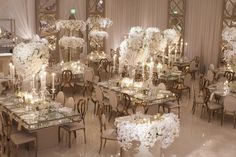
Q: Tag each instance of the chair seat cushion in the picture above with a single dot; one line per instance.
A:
(22, 138)
(170, 105)
(110, 134)
(73, 126)
(214, 106)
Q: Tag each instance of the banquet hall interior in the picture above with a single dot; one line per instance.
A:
(117, 78)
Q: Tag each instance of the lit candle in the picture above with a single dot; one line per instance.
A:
(41, 81)
(53, 82)
(181, 47)
(10, 69)
(33, 87)
(143, 70)
(13, 75)
(114, 62)
(175, 54)
(169, 57)
(186, 48)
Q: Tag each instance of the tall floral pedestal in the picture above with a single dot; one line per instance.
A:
(143, 151)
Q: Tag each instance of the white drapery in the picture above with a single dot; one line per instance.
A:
(23, 11)
(128, 13)
(203, 30)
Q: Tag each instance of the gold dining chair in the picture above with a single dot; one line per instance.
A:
(211, 106)
(105, 133)
(229, 108)
(77, 124)
(17, 138)
(104, 69)
(67, 80)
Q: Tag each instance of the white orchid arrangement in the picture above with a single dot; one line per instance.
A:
(139, 127)
(72, 25)
(141, 44)
(229, 36)
(71, 42)
(28, 58)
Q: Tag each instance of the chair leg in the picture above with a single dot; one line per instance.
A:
(69, 139)
(59, 134)
(179, 112)
(36, 148)
(222, 118)
(202, 111)
(100, 146)
(105, 143)
(84, 136)
(74, 133)
(234, 120)
(121, 151)
(209, 114)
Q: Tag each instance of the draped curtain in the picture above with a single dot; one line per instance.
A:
(129, 13)
(23, 11)
(203, 30)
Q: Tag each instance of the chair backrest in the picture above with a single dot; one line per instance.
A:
(161, 86)
(98, 93)
(210, 75)
(192, 65)
(82, 107)
(6, 124)
(113, 99)
(60, 97)
(229, 103)
(66, 76)
(88, 75)
(104, 64)
(70, 103)
(229, 75)
(212, 67)
(187, 80)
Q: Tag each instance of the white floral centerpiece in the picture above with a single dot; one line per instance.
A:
(229, 36)
(28, 58)
(71, 25)
(97, 37)
(97, 22)
(142, 44)
(97, 33)
(131, 49)
(71, 42)
(147, 130)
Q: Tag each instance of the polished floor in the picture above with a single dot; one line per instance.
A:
(198, 138)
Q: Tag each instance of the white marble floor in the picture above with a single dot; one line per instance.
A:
(198, 138)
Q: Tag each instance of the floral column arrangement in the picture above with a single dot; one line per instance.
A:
(96, 32)
(70, 42)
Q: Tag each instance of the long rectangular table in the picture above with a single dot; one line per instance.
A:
(32, 120)
(144, 95)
